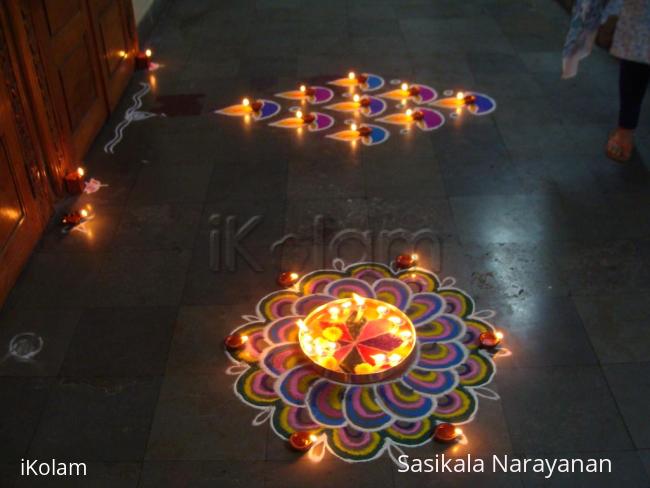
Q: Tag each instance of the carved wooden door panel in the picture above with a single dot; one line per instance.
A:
(21, 220)
(115, 39)
(65, 38)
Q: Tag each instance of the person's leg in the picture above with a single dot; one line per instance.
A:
(633, 82)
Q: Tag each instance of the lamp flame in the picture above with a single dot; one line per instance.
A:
(148, 53)
(245, 102)
(460, 95)
(352, 75)
(299, 114)
(405, 86)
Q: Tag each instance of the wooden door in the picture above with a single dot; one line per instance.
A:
(21, 216)
(64, 32)
(116, 40)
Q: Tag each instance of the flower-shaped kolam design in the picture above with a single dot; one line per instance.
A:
(359, 422)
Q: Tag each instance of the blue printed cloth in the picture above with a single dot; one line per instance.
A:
(631, 38)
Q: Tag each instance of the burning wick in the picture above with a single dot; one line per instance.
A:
(378, 359)
(245, 102)
(489, 340)
(302, 441)
(303, 88)
(235, 341)
(447, 433)
(288, 279)
(409, 113)
(148, 53)
(405, 87)
(360, 301)
(460, 96)
(356, 98)
(334, 312)
(353, 127)
(352, 75)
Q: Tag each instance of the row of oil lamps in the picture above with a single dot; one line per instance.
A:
(445, 433)
(74, 181)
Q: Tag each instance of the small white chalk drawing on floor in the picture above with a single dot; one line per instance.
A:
(132, 114)
(25, 346)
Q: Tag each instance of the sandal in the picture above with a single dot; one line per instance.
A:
(620, 145)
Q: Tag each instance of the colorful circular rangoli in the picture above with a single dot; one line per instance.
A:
(365, 357)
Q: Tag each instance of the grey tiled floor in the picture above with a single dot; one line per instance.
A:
(533, 220)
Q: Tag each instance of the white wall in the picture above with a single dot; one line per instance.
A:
(140, 8)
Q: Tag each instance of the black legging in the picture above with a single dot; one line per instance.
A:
(632, 84)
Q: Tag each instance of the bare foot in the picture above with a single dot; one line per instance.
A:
(620, 145)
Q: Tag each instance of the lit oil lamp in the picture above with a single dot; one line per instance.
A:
(490, 340)
(143, 59)
(409, 90)
(361, 79)
(306, 118)
(406, 261)
(361, 102)
(447, 433)
(414, 114)
(254, 106)
(75, 218)
(302, 441)
(362, 131)
(235, 341)
(287, 279)
(307, 90)
(465, 99)
(74, 181)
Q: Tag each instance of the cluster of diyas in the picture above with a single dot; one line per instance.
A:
(364, 359)
(358, 340)
(358, 102)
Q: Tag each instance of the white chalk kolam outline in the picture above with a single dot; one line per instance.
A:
(393, 447)
(130, 115)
